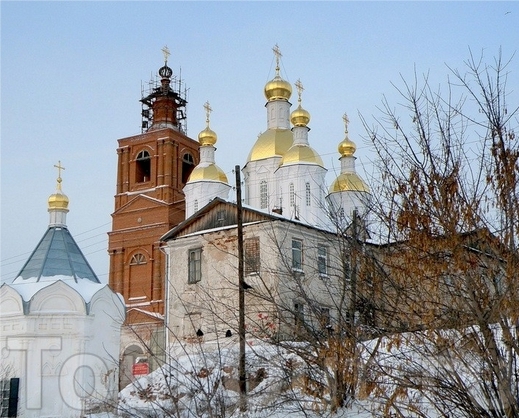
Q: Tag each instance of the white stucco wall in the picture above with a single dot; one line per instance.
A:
(212, 304)
(64, 351)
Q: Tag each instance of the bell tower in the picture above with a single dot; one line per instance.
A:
(152, 169)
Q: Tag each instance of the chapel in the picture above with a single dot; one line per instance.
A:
(60, 328)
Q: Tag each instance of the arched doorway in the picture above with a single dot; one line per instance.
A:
(129, 357)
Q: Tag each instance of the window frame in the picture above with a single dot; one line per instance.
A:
(308, 194)
(297, 262)
(263, 194)
(194, 265)
(322, 260)
(252, 256)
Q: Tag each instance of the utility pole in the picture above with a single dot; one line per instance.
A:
(241, 296)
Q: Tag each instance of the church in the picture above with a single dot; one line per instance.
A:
(293, 255)
(60, 329)
(173, 203)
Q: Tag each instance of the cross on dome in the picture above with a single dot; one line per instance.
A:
(166, 53)
(277, 53)
(300, 89)
(59, 167)
(346, 121)
(208, 110)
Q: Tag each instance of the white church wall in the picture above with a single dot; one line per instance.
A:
(55, 347)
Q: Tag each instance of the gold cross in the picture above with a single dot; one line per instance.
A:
(208, 111)
(59, 167)
(166, 53)
(300, 89)
(346, 121)
(277, 53)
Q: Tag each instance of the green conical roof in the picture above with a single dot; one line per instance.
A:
(57, 254)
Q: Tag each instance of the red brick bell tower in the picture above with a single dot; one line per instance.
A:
(152, 169)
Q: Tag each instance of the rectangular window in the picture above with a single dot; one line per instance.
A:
(308, 195)
(297, 254)
(251, 249)
(322, 259)
(195, 266)
(263, 194)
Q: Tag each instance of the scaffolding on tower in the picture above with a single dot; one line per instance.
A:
(176, 90)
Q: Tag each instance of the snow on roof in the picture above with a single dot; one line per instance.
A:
(29, 287)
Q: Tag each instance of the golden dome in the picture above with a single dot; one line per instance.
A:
(300, 117)
(302, 154)
(58, 200)
(207, 137)
(278, 89)
(209, 172)
(271, 143)
(348, 182)
(347, 147)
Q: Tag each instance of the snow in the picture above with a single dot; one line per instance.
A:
(29, 287)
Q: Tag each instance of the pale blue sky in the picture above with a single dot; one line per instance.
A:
(71, 84)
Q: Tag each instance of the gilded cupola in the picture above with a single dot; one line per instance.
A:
(207, 169)
(277, 88)
(348, 180)
(300, 116)
(300, 151)
(207, 136)
(58, 200)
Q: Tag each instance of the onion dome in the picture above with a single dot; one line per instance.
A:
(300, 116)
(58, 200)
(207, 170)
(347, 147)
(348, 180)
(207, 137)
(277, 88)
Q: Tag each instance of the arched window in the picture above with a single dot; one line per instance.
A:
(138, 259)
(263, 194)
(143, 167)
(195, 206)
(188, 163)
(292, 195)
(308, 195)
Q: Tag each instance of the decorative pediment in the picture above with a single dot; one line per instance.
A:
(140, 202)
(11, 302)
(58, 297)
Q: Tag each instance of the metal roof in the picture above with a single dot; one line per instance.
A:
(57, 254)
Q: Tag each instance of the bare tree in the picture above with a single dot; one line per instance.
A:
(448, 203)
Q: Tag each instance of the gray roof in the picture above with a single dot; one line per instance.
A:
(57, 254)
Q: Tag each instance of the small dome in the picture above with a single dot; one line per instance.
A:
(278, 89)
(58, 200)
(207, 137)
(348, 182)
(302, 154)
(347, 147)
(271, 143)
(300, 117)
(210, 172)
